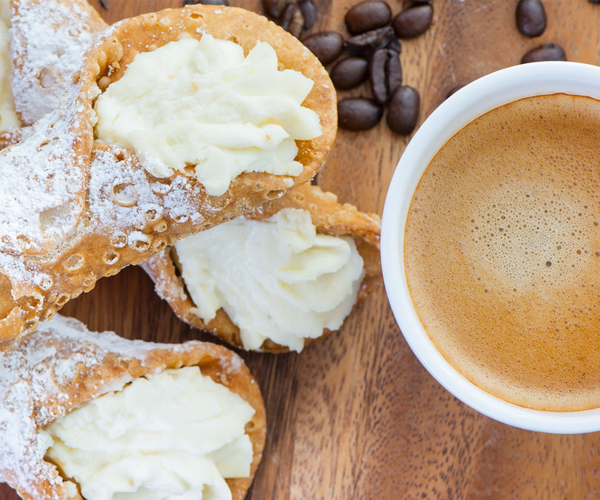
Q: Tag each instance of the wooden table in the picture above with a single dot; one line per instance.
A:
(356, 416)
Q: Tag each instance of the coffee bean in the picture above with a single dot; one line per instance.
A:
(349, 72)
(394, 71)
(385, 74)
(358, 113)
(206, 2)
(297, 24)
(309, 11)
(395, 45)
(292, 19)
(454, 89)
(531, 18)
(367, 16)
(287, 15)
(326, 45)
(274, 8)
(377, 76)
(403, 110)
(548, 52)
(413, 21)
(370, 41)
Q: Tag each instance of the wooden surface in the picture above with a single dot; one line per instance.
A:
(356, 416)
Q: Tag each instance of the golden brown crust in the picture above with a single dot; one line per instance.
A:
(126, 39)
(329, 217)
(114, 213)
(65, 366)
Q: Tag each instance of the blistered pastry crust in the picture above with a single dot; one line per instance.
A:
(49, 40)
(63, 365)
(122, 42)
(329, 217)
(91, 209)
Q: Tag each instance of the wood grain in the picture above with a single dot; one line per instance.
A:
(356, 416)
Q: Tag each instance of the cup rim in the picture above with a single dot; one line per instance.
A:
(468, 103)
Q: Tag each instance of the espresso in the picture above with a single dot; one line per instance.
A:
(502, 252)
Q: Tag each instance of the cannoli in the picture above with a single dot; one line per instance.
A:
(47, 42)
(78, 208)
(285, 274)
(10, 124)
(95, 416)
(8, 116)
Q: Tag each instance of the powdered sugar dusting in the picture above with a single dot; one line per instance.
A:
(42, 186)
(38, 175)
(74, 210)
(35, 374)
(42, 179)
(49, 40)
(233, 363)
(60, 367)
(125, 196)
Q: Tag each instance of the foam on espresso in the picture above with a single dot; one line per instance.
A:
(502, 252)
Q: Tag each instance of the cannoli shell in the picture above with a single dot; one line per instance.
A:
(63, 365)
(91, 209)
(48, 41)
(126, 39)
(329, 217)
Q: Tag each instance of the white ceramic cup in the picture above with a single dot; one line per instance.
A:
(470, 102)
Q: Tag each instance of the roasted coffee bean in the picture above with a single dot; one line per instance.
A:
(367, 16)
(531, 18)
(377, 76)
(454, 90)
(309, 11)
(413, 21)
(292, 19)
(358, 113)
(349, 72)
(395, 45)
(297, 24)
(274, 8)
(547, 52)
(326, 45)
(403, 110)
(286, 16)
(370, 41)
(394, 71)
(385, 74)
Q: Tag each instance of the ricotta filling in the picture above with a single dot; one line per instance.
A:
(202, 104)
(276, 279)
(172, 435)
(8, 116)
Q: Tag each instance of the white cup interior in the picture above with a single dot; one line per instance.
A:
(470, 102)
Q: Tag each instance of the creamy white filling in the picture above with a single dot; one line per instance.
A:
(8, 116)
(173, 435)
(202, 103)
(276, 278)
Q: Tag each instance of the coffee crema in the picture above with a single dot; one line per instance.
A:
(502, 252)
